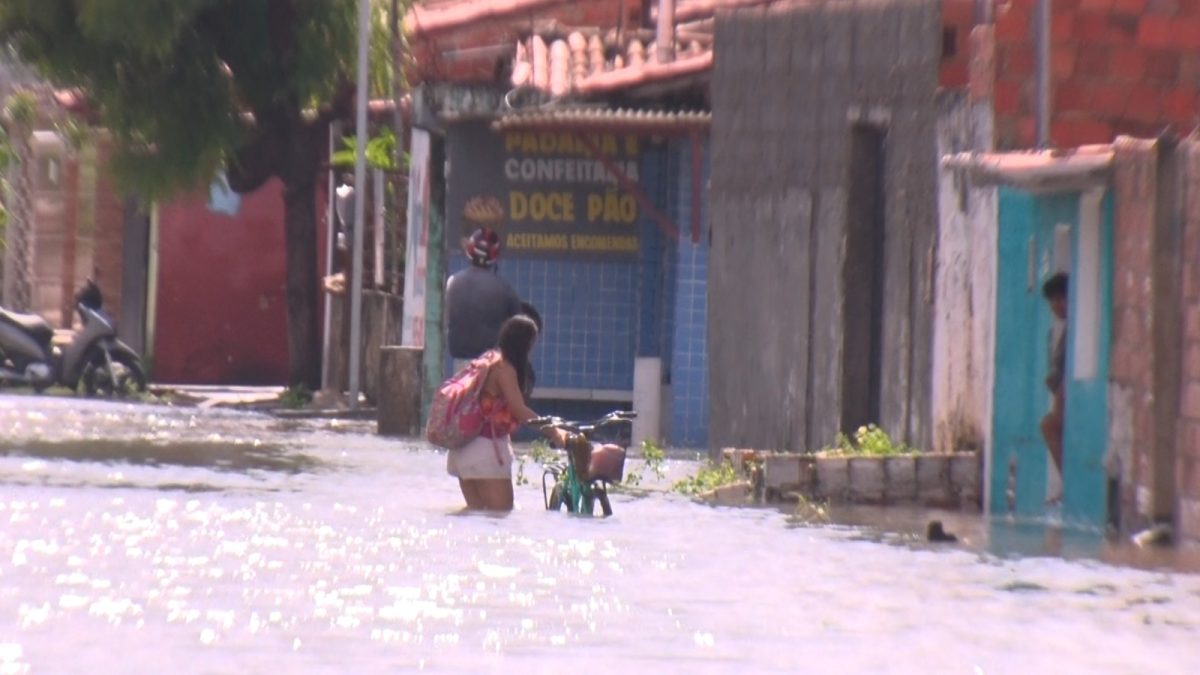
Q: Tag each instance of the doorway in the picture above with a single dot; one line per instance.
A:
(1042, 235)
(863, 276)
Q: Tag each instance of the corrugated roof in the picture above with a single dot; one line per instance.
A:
(604, 119)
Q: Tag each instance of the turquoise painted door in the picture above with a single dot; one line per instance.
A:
(1026, 257)
(1085, 438)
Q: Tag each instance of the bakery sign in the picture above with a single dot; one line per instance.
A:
(546, 193)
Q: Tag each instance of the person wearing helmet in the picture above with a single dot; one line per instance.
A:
(478, 300)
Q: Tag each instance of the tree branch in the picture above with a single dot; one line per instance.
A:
(341, 104)
(254, 163)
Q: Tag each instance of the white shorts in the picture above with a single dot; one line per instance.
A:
(482, 458)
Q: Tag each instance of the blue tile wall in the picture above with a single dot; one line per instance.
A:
(689, 348)
(599, 316)
(652, 328)
(590, 314)
(668, 265)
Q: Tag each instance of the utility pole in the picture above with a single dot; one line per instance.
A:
(360, 170)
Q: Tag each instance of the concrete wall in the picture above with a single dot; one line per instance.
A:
(382, 314)
(964, 316)
(1187, 468)
(778, 201)
(1154, 388)
(1136, 311)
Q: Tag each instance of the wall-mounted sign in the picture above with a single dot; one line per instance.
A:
(559, 198)
(221, 198)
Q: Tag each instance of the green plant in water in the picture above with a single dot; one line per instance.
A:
(709, 477)
(540, 452)
(295, 397)
(810, 511)
(869, 440)
(654, 459)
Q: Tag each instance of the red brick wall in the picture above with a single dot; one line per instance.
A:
(958, 18)
(1117, 67)
(108, 254)
(1188, 441)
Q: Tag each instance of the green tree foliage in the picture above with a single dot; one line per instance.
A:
(190, 87)
(381, 152)
(6, 155)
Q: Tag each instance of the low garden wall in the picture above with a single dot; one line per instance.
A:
(952, 480)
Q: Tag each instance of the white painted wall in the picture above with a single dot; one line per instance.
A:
(965, 283)
(647, 400)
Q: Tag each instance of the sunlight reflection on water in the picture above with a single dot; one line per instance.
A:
(308, 548)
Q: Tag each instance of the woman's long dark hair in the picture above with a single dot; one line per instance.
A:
(515, 342)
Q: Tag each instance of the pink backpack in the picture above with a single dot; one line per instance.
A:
(455, 417)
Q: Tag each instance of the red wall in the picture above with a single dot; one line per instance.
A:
(1117, 66)
(221, 307)
(958, 18)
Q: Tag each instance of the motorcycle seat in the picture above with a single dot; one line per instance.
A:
(32, 324)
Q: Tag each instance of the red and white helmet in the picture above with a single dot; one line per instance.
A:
(483, 248)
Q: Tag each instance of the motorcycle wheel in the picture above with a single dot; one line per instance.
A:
(97, 381)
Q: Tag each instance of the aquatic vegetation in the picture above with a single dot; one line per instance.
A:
(540, 452)
(869, 440)
(654, 459)
(710, 477)
(295, 397)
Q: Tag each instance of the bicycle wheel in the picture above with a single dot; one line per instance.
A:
(555, 502)
(601, 496)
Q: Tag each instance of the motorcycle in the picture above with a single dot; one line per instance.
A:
(93, 356)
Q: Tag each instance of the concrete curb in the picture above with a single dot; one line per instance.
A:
(265, 400)
(951, 480)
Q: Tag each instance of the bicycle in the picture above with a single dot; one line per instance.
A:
(581, 481)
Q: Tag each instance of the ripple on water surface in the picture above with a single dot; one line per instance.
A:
(314, 548)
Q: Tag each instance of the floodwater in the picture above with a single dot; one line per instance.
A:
(150, 539)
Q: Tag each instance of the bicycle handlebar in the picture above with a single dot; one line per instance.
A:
(614, 417)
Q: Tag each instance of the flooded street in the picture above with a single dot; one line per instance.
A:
(154, 539)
